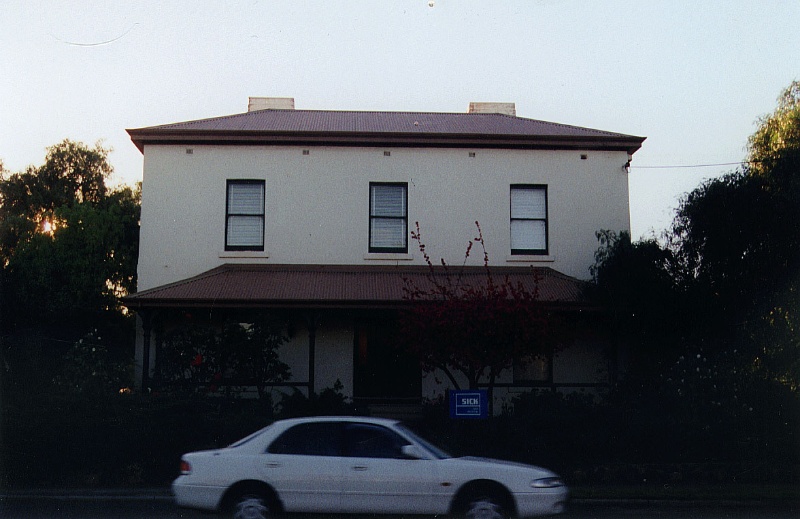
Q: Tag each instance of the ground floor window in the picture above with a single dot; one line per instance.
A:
(536, 369)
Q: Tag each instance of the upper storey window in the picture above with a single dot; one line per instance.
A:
(529, 219)
(388, 217)
(244, 215)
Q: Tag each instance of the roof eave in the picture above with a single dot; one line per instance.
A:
(146, 136)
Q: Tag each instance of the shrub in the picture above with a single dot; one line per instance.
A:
(329, 402)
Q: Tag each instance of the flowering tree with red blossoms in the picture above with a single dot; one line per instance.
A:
(477, 326)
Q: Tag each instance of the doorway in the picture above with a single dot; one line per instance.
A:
(382, 371)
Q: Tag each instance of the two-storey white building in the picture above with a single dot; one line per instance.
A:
(309, 212)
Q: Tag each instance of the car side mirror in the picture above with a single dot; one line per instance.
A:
(413, 452)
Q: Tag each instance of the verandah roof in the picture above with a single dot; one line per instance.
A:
(340, 286)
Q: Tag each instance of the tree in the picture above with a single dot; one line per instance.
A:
(89, 370)
(711, 312)
(475, 328)
(774, 156)
(68, 249)
(635, 283)
(774, 148)
(71, 174)
(68, 243)
(738, 243)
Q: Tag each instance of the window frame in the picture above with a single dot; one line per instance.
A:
(546, 220)
(404, 218)
(228, 214)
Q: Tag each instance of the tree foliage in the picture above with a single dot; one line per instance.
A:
(68, 249)
(727, 275)
(774, 148)
(91, 370)
(636, 283)
(68, 242)
(739, 243)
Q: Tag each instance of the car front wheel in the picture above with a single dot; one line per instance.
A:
(251, 506)
(485, 507)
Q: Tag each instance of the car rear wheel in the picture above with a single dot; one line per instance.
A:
(251, 506)
(485, 507)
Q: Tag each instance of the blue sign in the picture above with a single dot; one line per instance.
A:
(472, 403)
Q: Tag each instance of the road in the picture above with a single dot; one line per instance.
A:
(50, 507)
(678, 510)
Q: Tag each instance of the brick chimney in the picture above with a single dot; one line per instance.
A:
(270, 103)
(493, 108)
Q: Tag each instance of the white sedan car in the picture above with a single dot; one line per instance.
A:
(358, 465)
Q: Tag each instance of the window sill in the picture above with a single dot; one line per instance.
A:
(388, 256)
(243, 254)
(529, 258)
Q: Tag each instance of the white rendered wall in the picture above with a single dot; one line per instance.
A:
(333, 358)
(317, 205)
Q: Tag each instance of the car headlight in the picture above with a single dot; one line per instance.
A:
(552, 482)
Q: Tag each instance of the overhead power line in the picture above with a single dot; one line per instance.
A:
(693, 165)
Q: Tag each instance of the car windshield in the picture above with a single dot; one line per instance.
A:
(436, 451)
(248, 438)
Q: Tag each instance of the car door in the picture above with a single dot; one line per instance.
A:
(378, 478)
(304, 466)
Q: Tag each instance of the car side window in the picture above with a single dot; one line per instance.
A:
(373, 441)
(309, 439)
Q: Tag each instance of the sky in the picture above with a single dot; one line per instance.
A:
(692, 76)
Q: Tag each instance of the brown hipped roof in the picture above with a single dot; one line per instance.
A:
(419, 129)
(338, 286)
